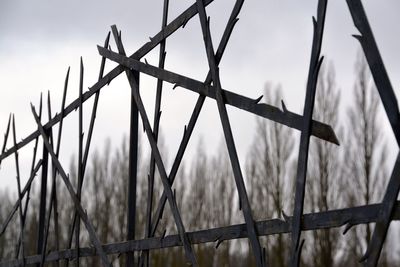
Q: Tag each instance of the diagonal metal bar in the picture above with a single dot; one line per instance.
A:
(21, 216)
(60, 128)
(43, 196)
(174, 25)
(133, 153)
(156, 124)
(375, 62)
(315, 64)
(255, 243)
(385, 214)
(389, 100)
(23, 192)
(33, 172)
(312, 221)
(293, 120)
(160, 165)
(195, 114)
(88, 140)
(80, 147)
(3, 149)
(92, 234)
(53, 194)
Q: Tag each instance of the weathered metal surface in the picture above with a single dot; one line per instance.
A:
(195, 114)
(88, 138)
(382, 213)
(174, 25)
(144, 259)
(230, 143)
(160, 165)
(389, 100)
(320, 130)
(315, 64)
(92, 234)
(375, 62)
(21, 216)
(313, 221)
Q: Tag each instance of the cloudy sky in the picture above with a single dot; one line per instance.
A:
(270, 43)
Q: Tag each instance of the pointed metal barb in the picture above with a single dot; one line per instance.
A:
(219, 242)
(184, 23)
(348, 226)
(285, 217)
(145, 60)
(163, 233)
(258, 99)
(284, 109)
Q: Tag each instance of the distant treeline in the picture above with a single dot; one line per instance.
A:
(354, 173)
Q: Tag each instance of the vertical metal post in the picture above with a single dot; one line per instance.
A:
(133, 153)
(42, 204)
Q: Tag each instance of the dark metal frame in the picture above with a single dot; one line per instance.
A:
(381, 214)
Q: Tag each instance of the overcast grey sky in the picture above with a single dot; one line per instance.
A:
(271, 42)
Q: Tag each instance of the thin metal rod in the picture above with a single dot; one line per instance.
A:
(315, 64)
(21, 216)
(60, 128)
(160, 165)
(53, 194)
(133, 156)
(293, 120)
(156, 125)
(42, 204)
(92, 233)
(195, 114)
(6, 136)
(33, 172)
(174, 25)
(17, 204)
(312, 221)
(88, 140)
(255, 244)
(80, 147)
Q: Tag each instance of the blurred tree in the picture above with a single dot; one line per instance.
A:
(268, 169)
(365, 156)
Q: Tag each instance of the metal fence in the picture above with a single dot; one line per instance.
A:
(380, 214)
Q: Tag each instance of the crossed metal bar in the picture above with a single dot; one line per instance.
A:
(382, 213)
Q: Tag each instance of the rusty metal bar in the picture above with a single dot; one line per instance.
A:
(312, 221)
(315, 64)
(92, 234)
